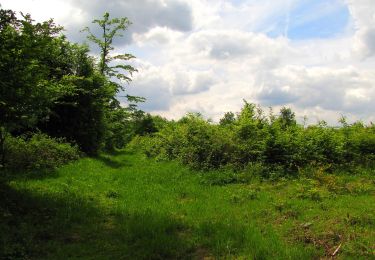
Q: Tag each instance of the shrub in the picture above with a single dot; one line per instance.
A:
(283, 146)
(38, 152)
(360, 143)
(204, 145)
(322, 144)
(255, 145)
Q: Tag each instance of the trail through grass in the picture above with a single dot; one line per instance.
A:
(125, 206)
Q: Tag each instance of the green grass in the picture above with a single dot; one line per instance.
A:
(125, 206)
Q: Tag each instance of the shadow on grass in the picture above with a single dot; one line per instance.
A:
(7, 175)
(113, 160)
(35, 226)
(120, 152)
(63, 224)
(66, 226)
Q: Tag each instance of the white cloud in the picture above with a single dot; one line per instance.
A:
(230, 44)
(191, 82)
(208, 55)
(157, 36)
(347, 90)
(75, 15)
(363, 13)
(151, 83)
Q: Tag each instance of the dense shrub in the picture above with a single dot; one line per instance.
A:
(192, 140)
(203, 146)
(359, 143)
(277, 144)
(323, 144)
(38, 152)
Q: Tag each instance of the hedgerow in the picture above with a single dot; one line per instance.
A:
(277, 143)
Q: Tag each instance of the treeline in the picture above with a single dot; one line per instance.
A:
(265, 144)
(55, 95)
(57, 102)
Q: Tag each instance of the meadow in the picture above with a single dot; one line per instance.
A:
(86, 174)
(127, 206)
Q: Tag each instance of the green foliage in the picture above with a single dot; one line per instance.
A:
(144, 124)
(228, 119)
(249, 136)
(47, 82)
(118, 128)
(119, 122)
(221, 178)
(274, 145)
(51, 85)
(29, 84)
(287, 118)
(202, 146)
(79, 115)
(125, 124)
(38, 152)
(32, 64)
(111, 28)
(194, 142)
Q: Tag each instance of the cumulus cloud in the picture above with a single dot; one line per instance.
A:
(144, 14)
(275, 96)
(348, 90)
(191, 82)
(157, 36)
(161, 86)
(209, 55)
(363, 13)
(153, 85)
(225, 44)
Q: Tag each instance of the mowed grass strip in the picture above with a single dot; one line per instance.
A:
(125, 206)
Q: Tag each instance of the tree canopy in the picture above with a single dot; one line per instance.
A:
(51, 85)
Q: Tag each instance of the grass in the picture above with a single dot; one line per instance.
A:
(125, 206)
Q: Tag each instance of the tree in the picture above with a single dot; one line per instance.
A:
(116, 74)
(144, 124)
(79, 115)
(228, 119)
(50, 84)
(112, 28)
(28, 84)
(287, 118)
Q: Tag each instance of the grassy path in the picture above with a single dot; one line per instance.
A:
(125, 206)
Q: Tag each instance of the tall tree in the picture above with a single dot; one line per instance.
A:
(112, 28)
(118, 71)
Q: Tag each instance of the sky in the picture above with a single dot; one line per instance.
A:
(314, 56)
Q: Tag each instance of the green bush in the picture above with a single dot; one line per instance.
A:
(257, 145)
(360, 143)
(204, 146)
(38, 152)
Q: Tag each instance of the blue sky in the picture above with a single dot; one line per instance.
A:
(315, 56)
(313, 19)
